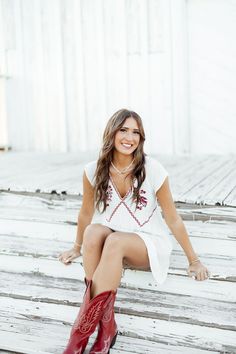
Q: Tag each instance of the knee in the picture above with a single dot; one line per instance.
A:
(93, 237)
(113, 246)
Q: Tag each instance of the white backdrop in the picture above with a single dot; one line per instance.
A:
(66, 66)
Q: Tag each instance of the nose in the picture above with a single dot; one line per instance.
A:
(129, 136)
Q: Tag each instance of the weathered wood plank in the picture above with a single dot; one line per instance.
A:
(208, 214)
(17, 314)
(142, 302)
(221, 266)
(184, 181)
(194, 179)
(231, 197)
(214, 186)
(178, 284)
(9, 205)
(222, 187)
(204, 246)
(22, 344)
(61, 222)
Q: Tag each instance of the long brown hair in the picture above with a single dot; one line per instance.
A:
(106, 154)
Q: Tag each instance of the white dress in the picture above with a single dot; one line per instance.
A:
(146, 221)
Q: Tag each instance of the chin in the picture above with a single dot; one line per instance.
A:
(125, 152)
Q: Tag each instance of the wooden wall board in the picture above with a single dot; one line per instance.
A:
(211, 84)
(74, 63)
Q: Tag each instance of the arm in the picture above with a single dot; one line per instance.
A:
(84, 219)
(86, 211)
(177, 227)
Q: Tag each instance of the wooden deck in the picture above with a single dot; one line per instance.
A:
(40, 297)
(201, 180)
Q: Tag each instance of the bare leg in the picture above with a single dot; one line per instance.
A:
(118, 246)
(94, 238)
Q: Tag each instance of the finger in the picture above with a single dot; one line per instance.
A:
(189, 273)
(198, 276)
(192, 275)
(202, 276)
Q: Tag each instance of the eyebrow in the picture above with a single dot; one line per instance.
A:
(130, 128)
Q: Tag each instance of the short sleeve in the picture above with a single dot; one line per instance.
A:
(157, 172)
(89, 170)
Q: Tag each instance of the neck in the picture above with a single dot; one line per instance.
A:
(121, 161)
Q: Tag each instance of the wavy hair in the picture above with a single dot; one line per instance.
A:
(106, 154)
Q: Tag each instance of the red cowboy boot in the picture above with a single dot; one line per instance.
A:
(85, 324)
(107, 331)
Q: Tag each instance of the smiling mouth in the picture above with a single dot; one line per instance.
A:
(127, 145)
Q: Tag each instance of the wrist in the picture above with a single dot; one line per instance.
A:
(77, 246)
(194, 261)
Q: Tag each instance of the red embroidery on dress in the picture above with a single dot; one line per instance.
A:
(131, 213)
(142, 203)
(136, 219)
(109, 194)
(142, 200)
(116, 208)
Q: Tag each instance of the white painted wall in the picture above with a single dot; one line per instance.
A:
(73, 63)
(212, 79)
(3, 78)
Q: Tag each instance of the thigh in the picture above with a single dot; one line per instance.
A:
(135, 253)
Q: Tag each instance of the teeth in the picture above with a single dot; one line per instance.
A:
(127, 145)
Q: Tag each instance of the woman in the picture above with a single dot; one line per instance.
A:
(120, 223)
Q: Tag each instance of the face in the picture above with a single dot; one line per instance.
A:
(127, 138)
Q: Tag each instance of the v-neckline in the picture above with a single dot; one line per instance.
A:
(117, 190)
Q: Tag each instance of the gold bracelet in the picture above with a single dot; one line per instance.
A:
(194, 261)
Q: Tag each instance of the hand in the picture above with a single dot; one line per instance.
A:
(199, 270)
(68, 256)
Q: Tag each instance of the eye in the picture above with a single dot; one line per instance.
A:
(122, 130)
(136, 132)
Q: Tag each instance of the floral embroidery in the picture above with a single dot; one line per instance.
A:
(109, 194)
(142, 200)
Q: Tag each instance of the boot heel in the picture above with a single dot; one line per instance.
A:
(113, 340)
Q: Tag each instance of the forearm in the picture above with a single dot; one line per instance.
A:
(84, 219)
(180, 233)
